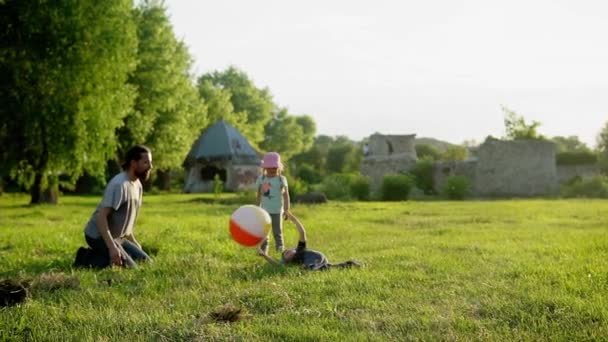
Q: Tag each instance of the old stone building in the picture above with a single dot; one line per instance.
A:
(388, 154)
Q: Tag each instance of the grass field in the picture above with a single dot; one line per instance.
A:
(480, 270)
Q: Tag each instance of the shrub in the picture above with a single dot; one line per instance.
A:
(218, 186)
(360, 188)
(309, 174)
(311, 198)
(422, 173)
(457, 187)
(576, 158)
(396, 187)
(296, 187)
(337, 186)
(596, 187)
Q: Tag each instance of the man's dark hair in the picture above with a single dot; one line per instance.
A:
(134, 153)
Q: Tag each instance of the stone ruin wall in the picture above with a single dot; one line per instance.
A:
(520, 168)
(444, 169)
(515, 168)
(568, 172)
(392, 145)
(376, 169)
(388, 154)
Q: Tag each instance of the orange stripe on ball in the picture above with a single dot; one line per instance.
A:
(241, 236)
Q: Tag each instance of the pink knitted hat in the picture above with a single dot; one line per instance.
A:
(272, 160)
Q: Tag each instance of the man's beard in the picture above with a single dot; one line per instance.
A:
(143, 176)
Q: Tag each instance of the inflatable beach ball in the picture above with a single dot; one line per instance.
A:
(249, 225)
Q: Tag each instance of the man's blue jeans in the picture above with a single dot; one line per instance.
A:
(101, 256)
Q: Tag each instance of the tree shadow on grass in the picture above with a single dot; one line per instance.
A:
(220, 201)
(34, 268)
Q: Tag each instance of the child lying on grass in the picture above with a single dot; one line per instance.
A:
(309, 258)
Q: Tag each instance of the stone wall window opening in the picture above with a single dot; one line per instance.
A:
(208, 173)
(390, 147)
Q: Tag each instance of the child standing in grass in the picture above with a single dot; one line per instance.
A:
(273, 196)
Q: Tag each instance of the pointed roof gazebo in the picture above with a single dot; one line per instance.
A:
(221, 141)
(221, 150)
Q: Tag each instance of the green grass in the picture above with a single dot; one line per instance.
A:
(482, 270)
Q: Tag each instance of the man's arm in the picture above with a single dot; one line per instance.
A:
(102, 227)
(299, 226)
(268, 258)
(286, 203)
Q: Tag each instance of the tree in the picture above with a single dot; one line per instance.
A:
(337, 158)
(168, 114)
(602, 148)
(427, 151)
(316, 156)
(288, 135)
(283, 135)
(219, 106)
(254, 103)
(517, 128)
(470, 143)
(455, 153)
(343, 156)
(309, 129)
(570, 144)
(64, 90)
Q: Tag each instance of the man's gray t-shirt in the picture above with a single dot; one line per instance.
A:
(124, 197)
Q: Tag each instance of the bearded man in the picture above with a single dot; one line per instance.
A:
(109, 232)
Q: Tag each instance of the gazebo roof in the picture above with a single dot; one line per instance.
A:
(221, 141)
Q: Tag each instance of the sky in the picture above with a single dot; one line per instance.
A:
(436, 68)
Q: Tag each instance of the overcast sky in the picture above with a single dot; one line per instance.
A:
(436, 68)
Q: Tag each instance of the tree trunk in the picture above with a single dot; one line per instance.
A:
(36, 190)
(41, 191)
(164, 179)
(112, 169)
(39, 195)
(50, 195)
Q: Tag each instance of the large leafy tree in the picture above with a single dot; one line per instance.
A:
(63, 92)
(168, 113)
(252, 106)
(602, 148)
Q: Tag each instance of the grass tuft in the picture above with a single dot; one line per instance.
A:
(227, 313)
(53, 281)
